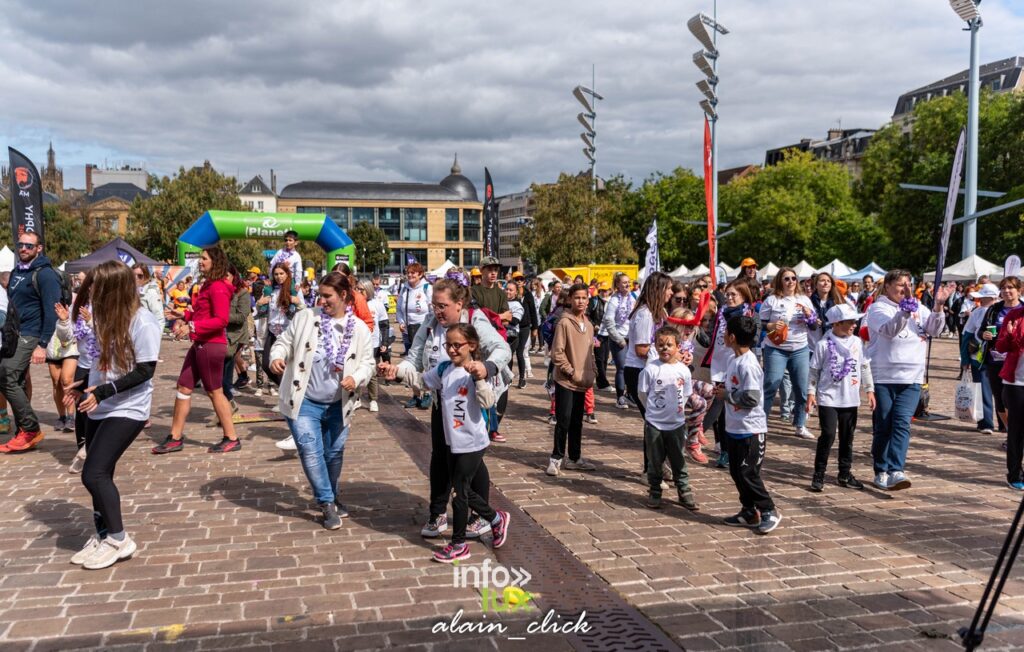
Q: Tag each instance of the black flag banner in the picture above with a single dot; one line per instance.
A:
(490, 217)
(26, 196)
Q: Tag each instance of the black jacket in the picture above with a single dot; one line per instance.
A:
(595, 312)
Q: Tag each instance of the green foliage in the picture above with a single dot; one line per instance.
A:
(672, 199)
(801, 208)
(69, 235)
(912, 218)
(177, 202)
(567, 213)
(371, 244)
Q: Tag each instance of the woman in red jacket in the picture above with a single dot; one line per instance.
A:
(207, 320)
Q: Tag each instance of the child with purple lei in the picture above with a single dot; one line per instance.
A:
(839, 370)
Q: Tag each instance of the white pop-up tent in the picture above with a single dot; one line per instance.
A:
(968, 269)
(698, 271)
(547, 277)
(442, 270)
(872, 269)
(837, 268)
(768, 271)
(803, 270)
(680, 272)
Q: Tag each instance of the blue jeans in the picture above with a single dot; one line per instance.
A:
(987, 412)
(776, 363)
(320, 436)
(786, 398)
(890, 424)
(619, 357)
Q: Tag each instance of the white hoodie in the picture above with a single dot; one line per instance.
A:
(898, 345)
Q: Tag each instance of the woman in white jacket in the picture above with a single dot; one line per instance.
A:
(898, 332)
(324, 356)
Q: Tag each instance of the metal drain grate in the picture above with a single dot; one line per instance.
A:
(563, 582)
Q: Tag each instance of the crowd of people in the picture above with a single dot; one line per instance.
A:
(693, 359)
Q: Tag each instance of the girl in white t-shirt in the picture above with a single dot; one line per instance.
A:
(117, 402)
(787, 315)
(466, 395)
(839, 370)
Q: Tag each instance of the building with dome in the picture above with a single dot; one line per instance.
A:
(430, 222)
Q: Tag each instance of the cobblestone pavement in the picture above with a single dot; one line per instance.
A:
(231, 555)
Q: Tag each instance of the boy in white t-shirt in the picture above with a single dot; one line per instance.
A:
(839, 370)
(665, 387)
(745, 427)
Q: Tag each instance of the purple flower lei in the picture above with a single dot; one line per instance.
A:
(838, 369)
(686, 346)
(86, 337)
(625, 305)
(280, 257)
(337, 358)
(909, 304)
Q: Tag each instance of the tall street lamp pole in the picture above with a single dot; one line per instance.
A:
(588, 118)
(968, 11)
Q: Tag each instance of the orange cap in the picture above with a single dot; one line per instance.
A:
(748, 262)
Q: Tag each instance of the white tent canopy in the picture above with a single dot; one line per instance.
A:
(730, 272)
(547, 277)
(836, 268)
(6, 259)
(679, 272)
(769, 270)
(442, 270)
(871, 269)
(968, 269)
(803, 270)
(698, 271)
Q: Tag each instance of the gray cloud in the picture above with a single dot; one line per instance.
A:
(390, 90)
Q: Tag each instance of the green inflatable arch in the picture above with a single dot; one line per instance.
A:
(215, 226)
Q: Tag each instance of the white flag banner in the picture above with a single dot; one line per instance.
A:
(653, 263)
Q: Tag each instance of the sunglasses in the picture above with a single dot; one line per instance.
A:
(26, 245)
(139, 275)
(678, 299)
(789, 279)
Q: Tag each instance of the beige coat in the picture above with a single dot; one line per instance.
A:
(296, 346)
(572, 351)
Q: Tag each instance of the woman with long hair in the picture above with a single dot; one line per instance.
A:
(899, 327)
(150, 294)
(825, 295)
(985, 336)
(647, 317)
(117, 401)
(537, 291)
(207, 321)
(283, 301)
(323, 357)
(77, 324)
(236, 333)
(616, 323)
(787, 314)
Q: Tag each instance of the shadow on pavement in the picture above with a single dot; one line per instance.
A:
(65, 519)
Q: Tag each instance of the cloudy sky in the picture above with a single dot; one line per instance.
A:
(389, 90)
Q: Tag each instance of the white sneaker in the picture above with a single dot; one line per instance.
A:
(898, 480)
(276, 408)
(273, 391)
(803, 433)
(529, 374)
(82, 555)
(882, 480)
(287, 444)
(258, 392)
(78, 463)
(374, 407)
(109, 552)
(358, 405)
(554, 466)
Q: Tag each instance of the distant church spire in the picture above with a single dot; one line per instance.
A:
(455, 166)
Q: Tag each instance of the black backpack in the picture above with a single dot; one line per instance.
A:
(10, 333)
(65, 285)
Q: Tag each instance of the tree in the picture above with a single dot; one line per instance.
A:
(672, 199)
(156, 223)
(68, 234)
(371, 244)
(913, 218)
(567, 214)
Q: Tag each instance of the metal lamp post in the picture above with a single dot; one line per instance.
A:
(706, 31)
(968, 11)
(588, 98)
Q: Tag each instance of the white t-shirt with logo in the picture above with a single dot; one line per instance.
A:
(846, 392)
(436, 353)
(465, 430)
(744, 373)
(324, 380)
(722, 355)
(134, 403)
(667, 387)
(641, 333)
(787, 309)
(415, 303)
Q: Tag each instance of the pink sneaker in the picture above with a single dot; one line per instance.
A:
(694, 452)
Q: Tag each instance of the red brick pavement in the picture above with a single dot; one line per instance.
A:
(231, 556)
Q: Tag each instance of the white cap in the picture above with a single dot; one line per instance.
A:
(987, 291)
(842, 312)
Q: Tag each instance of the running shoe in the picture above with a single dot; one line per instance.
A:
(818, 482)
(242, 382)
(437, 524)
(342, 510)
(701, 438)
(499, 530)
(1018, 485)
(109, 552)
(522, 384)
(769, 521)
(452, 553)
(332, 521)
(225, 446)
(426, 401)
(652, 502)
(477, 527)
(694, 452)
(374, 407)
(552, 420)
(881, 480)
(742, 519)
(78, 463)
(358, 404)
(590, 418)
(687, 500)
(621, 403)
(90, 547)
(578, 465)
(497, 437)
(287, 444)
(723, 460)
(898, 480)
(170, 445)
(803, 433)
(22, 441)
(553, 466)
(849, 482)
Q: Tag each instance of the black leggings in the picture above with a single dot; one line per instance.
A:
(265, 362)
(107, 440)
(715, 420)
(440, 471)
(80, 418)
(520, 349)
(832, 419)
(1013, 397)
(992, 368)
(464, 469)
(568, 423)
